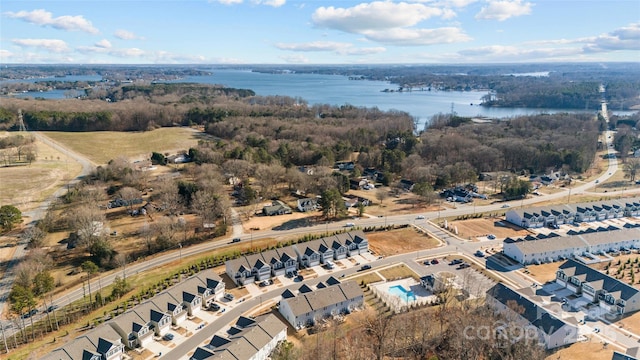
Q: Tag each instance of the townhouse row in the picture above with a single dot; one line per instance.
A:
(527, 318)
(556, 215)
(554, 248)
(258, 267)
(593, 287)
(249, 338)
(329, 299)
(137, 327)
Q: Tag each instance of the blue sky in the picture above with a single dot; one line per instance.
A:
(318, 31)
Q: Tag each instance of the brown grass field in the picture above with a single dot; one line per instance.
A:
(102, 146)
(591, 350)
(400, 241)
(472, 228)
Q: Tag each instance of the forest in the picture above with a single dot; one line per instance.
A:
(282, 130)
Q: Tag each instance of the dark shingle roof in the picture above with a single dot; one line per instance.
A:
(536, 315)
(610, 284)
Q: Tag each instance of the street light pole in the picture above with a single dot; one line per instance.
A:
(180, 245)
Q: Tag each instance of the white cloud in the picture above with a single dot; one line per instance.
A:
(295, 59)
(52, 45)
(273, 3)
(503, 10)
(6, 54)
(413, 37)
(625, 38)
(126, 35)
(329, 46)
(104, 43)
(228, 2)
(45, 18)
(391, 23)
(313, 46)
(376, 15)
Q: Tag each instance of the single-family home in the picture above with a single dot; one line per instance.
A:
(307, 204)
(134, 330)
(171, 305)
(277, 207)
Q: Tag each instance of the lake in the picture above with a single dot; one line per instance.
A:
(339, 90)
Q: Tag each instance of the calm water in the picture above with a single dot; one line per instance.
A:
(339, 90)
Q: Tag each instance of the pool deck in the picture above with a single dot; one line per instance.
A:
(420, 294)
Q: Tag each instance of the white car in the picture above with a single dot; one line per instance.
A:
(419, 217)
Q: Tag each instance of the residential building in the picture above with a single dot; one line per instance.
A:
(277, 207)
(258, 267)
(541, 216)
(307, 308)
(134, 330)
(249, 338)
(307, 204)
(611, 294)
(100, 343)
(553, 332)
(547, 248)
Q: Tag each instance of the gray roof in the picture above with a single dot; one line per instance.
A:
(535, 314)
(74, 350)
(129, 321)
(589, 275)
(324, 297)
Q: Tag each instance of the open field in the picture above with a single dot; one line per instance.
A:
(473, 228)
(102, 146)
(400, 241)
(26, 186)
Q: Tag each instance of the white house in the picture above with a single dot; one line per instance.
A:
(307, 308)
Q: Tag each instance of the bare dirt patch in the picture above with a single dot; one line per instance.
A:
(473, 228)
(544, 272)
(400, 241)
(593, 350)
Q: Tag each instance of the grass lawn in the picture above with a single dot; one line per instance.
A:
(400, 271)
(592, 350)
(102, 146)
(400, 241)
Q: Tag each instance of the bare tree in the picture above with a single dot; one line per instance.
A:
(382, 194)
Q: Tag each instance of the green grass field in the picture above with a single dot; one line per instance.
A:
(102, 146)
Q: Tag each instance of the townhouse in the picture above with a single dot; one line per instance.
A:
(310, 306)
(541, 216)
(552, 247)
(592, 286)
(136, 327)
(249, 338)
(552, 331)
(100, 343)
(258, 267)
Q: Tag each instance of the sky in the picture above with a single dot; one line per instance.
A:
(318, 31)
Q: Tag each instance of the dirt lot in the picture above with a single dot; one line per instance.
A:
(592, 350)
(473, 229)
(544, 272)
(400, 241)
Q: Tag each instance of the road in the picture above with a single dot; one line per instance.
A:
(454, 245)
(38, 213)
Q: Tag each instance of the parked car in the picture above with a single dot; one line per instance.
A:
(229, 296)
(505, 206)
(213, 306)
(463, 266)
(168, 336)
(266, 283)
(435, 261)
(426, 262)
(455, 262)
(491, 237)
(479, 253)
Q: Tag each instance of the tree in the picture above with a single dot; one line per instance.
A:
(332, 203)
(9, 216)
(631, 168)
(90, 268)
(424, 191)
(34, 236)
(120, 287)
(129, 195)
(382, 194)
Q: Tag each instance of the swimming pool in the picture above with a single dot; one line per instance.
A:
(402, 293)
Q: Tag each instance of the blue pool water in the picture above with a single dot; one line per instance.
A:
(402, 293)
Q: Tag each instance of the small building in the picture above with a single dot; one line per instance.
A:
(277, 207)
(307, 204)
